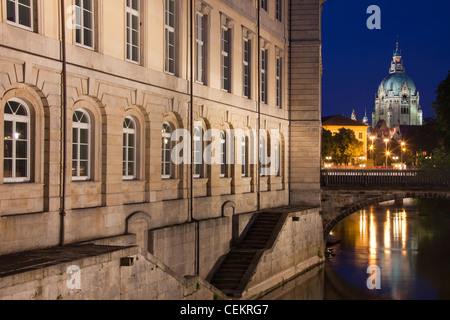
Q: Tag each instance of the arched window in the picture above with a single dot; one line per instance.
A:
(81, 144)
(244, 158)
(16, 150)
(277, 156)
(166, 168)
(262, 157)
(198, 152)
(129, 149)
(223, 154)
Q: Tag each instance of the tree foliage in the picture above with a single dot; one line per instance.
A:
(438, 159)
(441, 108)
(342, 147)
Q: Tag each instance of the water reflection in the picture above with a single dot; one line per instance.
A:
(406, 241)
(389, 236)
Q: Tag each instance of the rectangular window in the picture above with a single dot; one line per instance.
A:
(223, 155)
(226, 59)
(279, 67)
(264, 4)
(20, 12)
(246, 54)
(133, 30)
(84, 23)
(278, 10)
(200, 47)
(170, 36)
(264, 75)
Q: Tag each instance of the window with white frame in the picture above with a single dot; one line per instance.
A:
(166, 168)
(129, 148)
(133, 30)
(246, 54)
(200, 47)
(277, 156)
(278, 10)
(279, 73)
(226, 59)
(16, 149)
(264, 53)
(198, 152)
(223, 154)
(244, 158)
(170, 36)
(20, 13)
(84, 23)
(262, 156)
(81, 137)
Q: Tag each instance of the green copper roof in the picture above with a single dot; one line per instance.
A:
(394, 82)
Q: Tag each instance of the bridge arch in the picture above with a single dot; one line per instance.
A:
(344, 212)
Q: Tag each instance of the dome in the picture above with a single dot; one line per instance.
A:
(394, 82)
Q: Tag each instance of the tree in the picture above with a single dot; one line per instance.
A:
(342, 147)
(348, 146)
(439, 159)
(441, 108)
(327, 144)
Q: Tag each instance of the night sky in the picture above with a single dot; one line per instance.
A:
(356, 59)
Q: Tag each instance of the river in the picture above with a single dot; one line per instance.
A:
(388, 251)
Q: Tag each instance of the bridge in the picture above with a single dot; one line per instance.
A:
(345, 192)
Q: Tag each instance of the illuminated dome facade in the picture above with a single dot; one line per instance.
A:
(397, 101)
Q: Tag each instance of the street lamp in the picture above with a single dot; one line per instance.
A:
(328, 162)
(387, 155)
(403, 150)
(372, 148)
(387, 152)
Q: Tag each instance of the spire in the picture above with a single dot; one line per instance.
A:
(365, 119)
(397, 52)
(397, 62)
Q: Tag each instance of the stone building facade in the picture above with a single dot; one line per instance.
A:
(91, 91)
(397, 102)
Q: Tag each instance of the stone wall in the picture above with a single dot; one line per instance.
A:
(298, 247)
(305, 101)
(177, 247)
(127, 274)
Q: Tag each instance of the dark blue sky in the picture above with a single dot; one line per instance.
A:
(356, 59)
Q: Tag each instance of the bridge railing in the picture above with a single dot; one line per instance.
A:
(385, 178)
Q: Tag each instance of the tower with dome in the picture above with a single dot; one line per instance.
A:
(397, 102)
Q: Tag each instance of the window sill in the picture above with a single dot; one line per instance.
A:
(14, 181)
(18, 25)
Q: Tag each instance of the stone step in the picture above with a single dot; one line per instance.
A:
(236, 263)
(220, 284)
(228, 276)
(234, 266)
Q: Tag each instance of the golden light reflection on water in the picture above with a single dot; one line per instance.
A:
(387, 232)
(388, 236)
(393, 228)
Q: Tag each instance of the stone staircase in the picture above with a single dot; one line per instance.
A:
(237, 266)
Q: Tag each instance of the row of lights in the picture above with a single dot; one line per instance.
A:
(372, 149)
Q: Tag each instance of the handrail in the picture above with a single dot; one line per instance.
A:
(385, 178)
